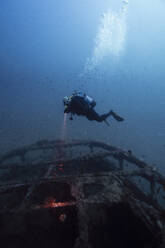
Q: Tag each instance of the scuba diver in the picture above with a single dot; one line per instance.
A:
(81, 104)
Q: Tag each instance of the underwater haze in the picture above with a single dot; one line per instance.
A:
(113, 50)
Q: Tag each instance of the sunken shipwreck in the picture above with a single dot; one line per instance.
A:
(80, 194)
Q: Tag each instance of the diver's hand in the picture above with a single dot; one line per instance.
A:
(66, 110)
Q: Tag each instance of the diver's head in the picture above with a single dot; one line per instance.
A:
(66, 100)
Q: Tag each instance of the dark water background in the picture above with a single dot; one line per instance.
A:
(44, 46)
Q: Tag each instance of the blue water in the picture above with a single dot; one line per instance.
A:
(112, 50)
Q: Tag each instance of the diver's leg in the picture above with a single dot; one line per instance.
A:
(110, 113)
(105, 116)
(93, 115)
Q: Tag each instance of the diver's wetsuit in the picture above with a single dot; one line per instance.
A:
(79, 106)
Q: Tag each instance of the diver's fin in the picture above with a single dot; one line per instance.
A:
(116, 117)
(106, 122)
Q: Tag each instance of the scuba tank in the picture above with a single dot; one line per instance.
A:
(89, 100)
